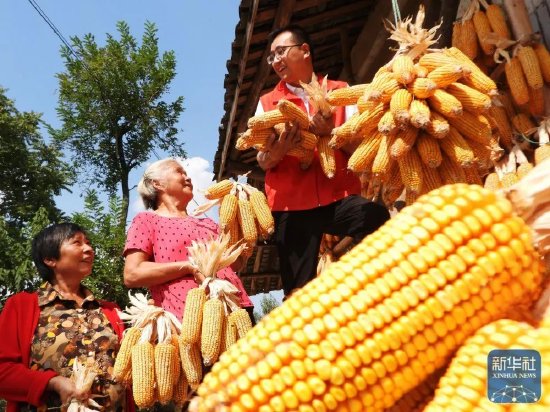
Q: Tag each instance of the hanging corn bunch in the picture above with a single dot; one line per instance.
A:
(212, 318)
(83, 376)
(148, 358)
(425, 118)
(394, 309)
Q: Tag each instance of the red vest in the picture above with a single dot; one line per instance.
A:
(287, 186)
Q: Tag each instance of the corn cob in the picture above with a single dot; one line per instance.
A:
(368, 120)
(450, 171)
(403, 69)
(213, 314)
(432, 61)
(509, 179)
(466, 38)
(470, 98)
(483, 155)
(364, 103)
(445, 103)
(308, 140)
(438, 126)
(403, 142)
(266, 120)
(123, 361)
(497, 21)
(410, 167)
(219, 189)
(228, 210)
(463, 386)
(522, 123)
(475, 78)
(299, 152)
(399, 106)
(364, 155)
(536, 101)
(230, 334)
(180, 390)
(190, 355)
(492, 182)
(428, 150)
(523, 169)
(472, 176)
(516, 81)
(543, 57)
(530, 66)
(416, 399)
(241, 321)
(472, 126)
(420, 71)
(235, 234)
(192, 315)
(346, 96)
(262, 212)
(542, 152)
(419, 113)
(360, 320)
(500, 118)
(382, 87)
(326, 156)
(246, 219)
(344, 133)
(430, 180)
(143, 374)
(166, 357)
(256, 138)
(387, 124)
(483, 28)
(446, 74)
(382, 162)
(293, 113)
(457, 149)
(422, 88)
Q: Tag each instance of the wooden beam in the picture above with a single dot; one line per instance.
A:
(242, 66)
(258, 260)
(239, 168)
(269, 14)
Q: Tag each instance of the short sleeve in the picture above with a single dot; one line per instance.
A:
(140, 234)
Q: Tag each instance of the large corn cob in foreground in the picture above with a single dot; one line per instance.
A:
(392, 311)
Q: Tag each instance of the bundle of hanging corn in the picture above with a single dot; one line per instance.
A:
(212, 319)
(424, 119)
(262, 126)
(83, 376)
(393, 310)
(148, 358)
(244, 212)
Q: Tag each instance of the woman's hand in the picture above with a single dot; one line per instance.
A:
(188, 269)
(66, 389)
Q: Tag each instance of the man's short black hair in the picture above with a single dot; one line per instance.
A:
(299, 35)
(47, 244)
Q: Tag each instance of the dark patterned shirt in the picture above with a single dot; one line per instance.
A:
(66, 332)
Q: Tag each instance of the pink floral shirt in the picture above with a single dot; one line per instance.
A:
(165, 239)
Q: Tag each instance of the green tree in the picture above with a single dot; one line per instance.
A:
(110, 103)
(267, 304)
(107, 238)
(32, 171)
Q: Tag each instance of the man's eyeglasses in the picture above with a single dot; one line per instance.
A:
(279, 52)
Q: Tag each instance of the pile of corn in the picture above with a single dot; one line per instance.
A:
(262, 126)
(149, 357)
(392, 311)
(425, 119)
(244, 212)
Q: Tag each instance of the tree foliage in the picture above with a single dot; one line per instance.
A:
(110, 103)
(267, 304)
(32, 171)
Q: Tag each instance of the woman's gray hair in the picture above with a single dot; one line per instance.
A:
(146, 188)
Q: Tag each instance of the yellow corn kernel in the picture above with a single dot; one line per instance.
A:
(180, 390)
(262, 212)
(475, 78)
(420, 71)
(457, 149)
(266, 120)
(403, 69)
(143, 374)
(123, 361)
(386, 124)
(530, 66)
(536, 101)
(492, 182)
(212, 322)
(483, 28)
(428, 150)
(543, 56)
(470, 98)
(293, 113)
(190, 355)
(344, 133)
(450, 171)
(308, 140)
(382, 161)
(382, 87)
(509, 179)
(473, 126)
(166, 357)
(256, 138)
(446, 74)
(472, 176)
(326, 156)
(399, 106)
(368, 120)
(523, 124)
(430, 180)
(410, 167)
(219, 189)
(364, 155)
(432, 61)
(240, 319)
(541, 153)
(438, 126)
(467, 41)
(228, 210)
(500, 118)
(246, 219)
(483, 154)
(497, 21)
(346, 96)
(422, 87)
(445, 103)
(404, 141)
(419, 113)
(516, 81)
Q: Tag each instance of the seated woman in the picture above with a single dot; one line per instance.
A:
(157, 241)
(45, 332)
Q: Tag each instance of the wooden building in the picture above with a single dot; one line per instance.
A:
(350, 43)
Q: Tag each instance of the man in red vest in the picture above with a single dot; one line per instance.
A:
(305, 203)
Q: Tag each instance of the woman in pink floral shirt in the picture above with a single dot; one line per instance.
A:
(157, 241)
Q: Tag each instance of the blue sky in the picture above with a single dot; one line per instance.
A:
(199, 32)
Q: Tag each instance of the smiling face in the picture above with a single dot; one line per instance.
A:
(175, 182)
(294, 65)
(76, 258)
